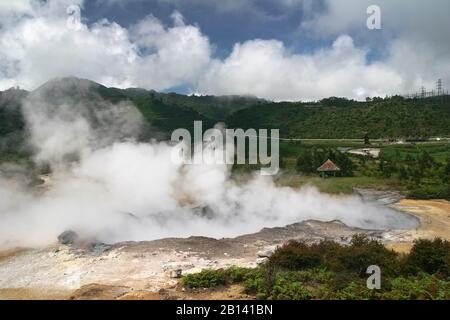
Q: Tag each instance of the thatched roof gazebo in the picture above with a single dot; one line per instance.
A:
(328, 167)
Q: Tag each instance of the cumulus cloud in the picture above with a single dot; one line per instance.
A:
(268, 69)
(36, 45)
(180, 54)
(417, 47)
(37, 48)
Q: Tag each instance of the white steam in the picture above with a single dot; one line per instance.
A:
(116, 189)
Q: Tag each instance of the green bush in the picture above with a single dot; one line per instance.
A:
(236, 274)
(328, 270)
(207, 278)
(423, 287)
(285, 288)
(354, 291)
(363, 253)
(254, 280)
(430, 256)
(355, 258)
(296, 256)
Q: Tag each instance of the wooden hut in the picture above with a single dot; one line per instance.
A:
(328, 168)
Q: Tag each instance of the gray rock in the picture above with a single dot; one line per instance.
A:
(267, 252)
(175, 274)
(261, 261)
(68, 237)
(98, 248)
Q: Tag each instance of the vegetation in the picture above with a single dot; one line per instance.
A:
(421, 170)
(341, 118)
(328, 118)
(312, 158)
(328, 270)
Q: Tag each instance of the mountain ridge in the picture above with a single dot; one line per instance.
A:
(329, 118)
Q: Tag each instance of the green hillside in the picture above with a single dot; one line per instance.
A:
(329, 118)
(340, 118)
(12, 125)
(11, 118)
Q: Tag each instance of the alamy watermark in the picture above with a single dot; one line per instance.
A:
(374, 17)
(374, 280)
(228, 146)
(74, 17)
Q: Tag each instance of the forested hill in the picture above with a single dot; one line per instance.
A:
(341, 118)
(329, 118)
(164, 112)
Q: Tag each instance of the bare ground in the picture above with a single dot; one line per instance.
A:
(434, 218)
(142, 270)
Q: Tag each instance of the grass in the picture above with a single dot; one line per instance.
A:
(440, 151)
(341, 185)
(367, 172)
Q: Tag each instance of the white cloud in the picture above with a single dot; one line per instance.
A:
(181, 53)
(19, 7)
(415, 31)
(36, 45)
(268, 69)
(38, 48)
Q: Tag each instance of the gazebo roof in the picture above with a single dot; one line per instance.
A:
(328, 166)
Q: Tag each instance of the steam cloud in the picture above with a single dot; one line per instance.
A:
(108, 186)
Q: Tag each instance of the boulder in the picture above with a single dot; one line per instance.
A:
(261, 261)
(175, 274)
(267, 252)
(68, 237)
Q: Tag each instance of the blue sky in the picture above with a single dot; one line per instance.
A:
(275, 49)
(224, 28)
(263, 19)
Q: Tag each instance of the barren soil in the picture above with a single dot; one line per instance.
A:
(142, 270)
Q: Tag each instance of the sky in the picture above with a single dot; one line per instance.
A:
(274, 49)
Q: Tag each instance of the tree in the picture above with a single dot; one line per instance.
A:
(304, 162)
(446, 173)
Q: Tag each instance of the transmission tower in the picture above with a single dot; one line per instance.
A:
(439, 87)
(423, 92)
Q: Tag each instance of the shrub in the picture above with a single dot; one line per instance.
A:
(295, 256)
(355, 291)
(236, 274)
(430, 256)
(254, 280)
(355, 258)
(423, 287)
(341, 280)
(328, 270)
(285, 288)
(205, 279)
(363, 253)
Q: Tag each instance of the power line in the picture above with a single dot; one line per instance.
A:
(423, 93)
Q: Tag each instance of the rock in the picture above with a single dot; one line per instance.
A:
(261, 261)
(99, 248)
(266, 252)
(68, 237)
(175, 274)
